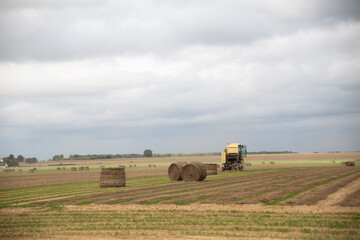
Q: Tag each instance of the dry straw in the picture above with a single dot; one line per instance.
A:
(112, 177)
(194, 171)
(174, 171)
(211, 169)
(350, 163)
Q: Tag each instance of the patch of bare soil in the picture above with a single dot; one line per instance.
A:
(46, 178)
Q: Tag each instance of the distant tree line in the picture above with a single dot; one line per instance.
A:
(14, 162)
(271, 152)
(147, 153)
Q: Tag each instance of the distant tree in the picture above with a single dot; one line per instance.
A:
(11, 161)
(20, 158)
(58, 157)
(148, 153)
(31, 160)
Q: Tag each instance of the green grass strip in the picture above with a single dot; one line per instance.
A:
(291, 195)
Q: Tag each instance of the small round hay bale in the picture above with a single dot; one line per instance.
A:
(263, 162)
(112, 177)
(19, 170)
(272, 163)
(211, 169)
(86, 168)
(154, 165)
(31, 170)
(194, 171)
(350, 163)
(58, 168)
(81, 168)
(73, 169)
(35, 168)
(63, 168)
(134, 165)
(174, 171)
(130, 165)
(149, 165)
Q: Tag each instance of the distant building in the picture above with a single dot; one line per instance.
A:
(3, 164)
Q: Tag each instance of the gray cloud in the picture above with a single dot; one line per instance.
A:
(93, 77)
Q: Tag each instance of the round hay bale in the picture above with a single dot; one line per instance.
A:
(350, 163)
(81, 168)
(149, 165)
(86, 168)
(112, 177)
(194, 171)
(272, 163)
(211, 169)
(134, 165)
(174, 171)
(31, 170)
(73, 169)
(63, 168)
(154, 165)
(130, 165)
(263, 162)
(35, 168)
(58, 169)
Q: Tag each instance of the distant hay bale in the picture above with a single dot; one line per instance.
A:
(134, 165)
(86, 168)
(81, 168)
(58, 169)
(19, 170)
(350, 163)
(154, 165)
(149, 165)
(194, 171)
(35, 168)
(73, 169)
(333, 162)
(263, 162)
(63, 168)
(247, 164)
(174, 171)
(211, 169)
(130, 165)
(272, 163)
(31, 170)
(112, 177)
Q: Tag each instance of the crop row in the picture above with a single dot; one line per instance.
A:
(180, 222)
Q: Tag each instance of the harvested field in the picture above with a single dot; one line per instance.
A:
(312, 200)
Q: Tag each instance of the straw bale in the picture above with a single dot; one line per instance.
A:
(63, 168)
(149, 165)
(86, 168)
(81, 168)
(174, 171)
(350, 163)
(154, 165)
(112, 177)
(31, 170)
(194, 171)
(272, 163)
(73, 169)
(211, 169)
(130, 165)
(134, 165)
(58, 169)
(263, 162)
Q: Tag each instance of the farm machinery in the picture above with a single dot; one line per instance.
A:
(233, 157)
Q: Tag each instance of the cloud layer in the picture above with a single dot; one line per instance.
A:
(119, 77)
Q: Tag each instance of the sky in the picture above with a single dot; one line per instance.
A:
(108, 77)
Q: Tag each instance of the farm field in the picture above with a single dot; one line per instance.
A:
(316, 199)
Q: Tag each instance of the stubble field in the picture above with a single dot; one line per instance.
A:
(302, 196)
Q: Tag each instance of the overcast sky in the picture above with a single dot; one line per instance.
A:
(97, 77)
